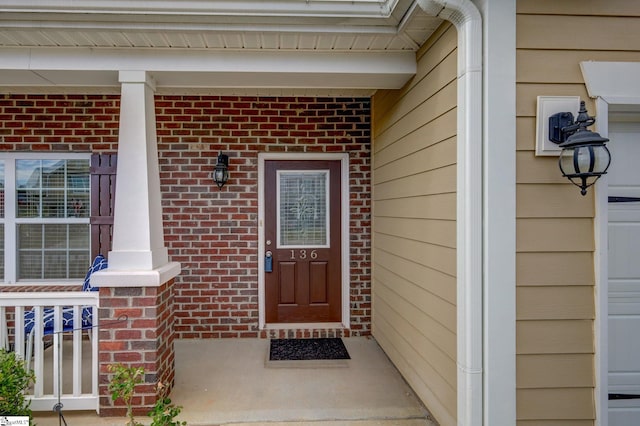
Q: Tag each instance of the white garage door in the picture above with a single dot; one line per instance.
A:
(624, 275)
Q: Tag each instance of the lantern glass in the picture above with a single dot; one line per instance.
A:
(220, 175)
(221, 171)
(585, 159)
(584, 164)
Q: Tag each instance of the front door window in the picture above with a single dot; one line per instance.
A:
(303, 209)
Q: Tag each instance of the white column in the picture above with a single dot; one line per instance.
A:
(139, 256)
(138, 239)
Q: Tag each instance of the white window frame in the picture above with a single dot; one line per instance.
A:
(10, 221)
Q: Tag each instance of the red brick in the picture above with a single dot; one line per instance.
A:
(211, 232)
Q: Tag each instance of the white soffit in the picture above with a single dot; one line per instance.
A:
(317, 44)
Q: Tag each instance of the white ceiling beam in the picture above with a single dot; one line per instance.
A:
(203, 68)
(88, 59)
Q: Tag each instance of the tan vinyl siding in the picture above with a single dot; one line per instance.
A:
(414, 225)
(555, 240)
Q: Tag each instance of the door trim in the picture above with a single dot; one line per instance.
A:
(344, 238)
(608, 91)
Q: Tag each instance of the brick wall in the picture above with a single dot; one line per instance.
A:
(59, 123)
(141, 336)
(213, 233)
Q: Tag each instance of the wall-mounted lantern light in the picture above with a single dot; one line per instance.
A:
(221, 172)
(584, 157)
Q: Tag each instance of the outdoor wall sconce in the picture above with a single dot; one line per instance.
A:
(221, 172)
(584, 156)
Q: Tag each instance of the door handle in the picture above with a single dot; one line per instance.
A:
(623, 199)
(268, 261)
(614, 396)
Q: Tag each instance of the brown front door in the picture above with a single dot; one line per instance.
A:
(302, 237)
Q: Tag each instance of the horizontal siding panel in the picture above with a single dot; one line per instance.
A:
(414, 229)
(562, 66)
(441, 76)
(438, 232)
(581, 7)
(568, 33)
(437, 282)
(541, 303)
(383, 100)
(439, 258)
(439, 335)
(532, 169)
(441, 102)
(438, 309)
(554, 337)
(537, 269)
(441, 44)
(555, 404)
(437, 206)
(439, 181)
(527, 96)
(555, 371)
(559, 201)
(435, 131)
(433, 157)
(440, 362)
(554, 423)
(441, 400)
(554, 235)
(526, 133)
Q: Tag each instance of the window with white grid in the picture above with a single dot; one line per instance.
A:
(45, 217)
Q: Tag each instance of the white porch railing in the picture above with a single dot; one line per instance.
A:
(54, 382)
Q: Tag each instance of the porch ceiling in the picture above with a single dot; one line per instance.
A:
(357, 45)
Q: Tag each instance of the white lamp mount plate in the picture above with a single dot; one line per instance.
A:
(547, 106)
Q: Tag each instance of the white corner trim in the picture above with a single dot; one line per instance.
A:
(466, 17)
(346, 279)
(601, 272)
(499, 254)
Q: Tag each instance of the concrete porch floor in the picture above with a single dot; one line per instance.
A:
(227, 382)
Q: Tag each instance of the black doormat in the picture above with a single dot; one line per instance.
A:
(307, 349)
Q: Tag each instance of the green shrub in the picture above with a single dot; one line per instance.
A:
(123, 384)
(164, 413)
(14, 381)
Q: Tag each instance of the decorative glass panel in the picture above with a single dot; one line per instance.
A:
(48, 251)
(303, 208)
(52, 188)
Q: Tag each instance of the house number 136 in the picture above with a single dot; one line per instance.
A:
(302, 254)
